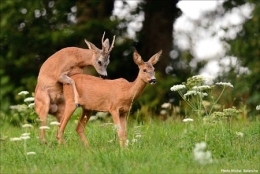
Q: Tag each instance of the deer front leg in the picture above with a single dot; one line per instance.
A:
(122, 133)
(120, 124)
(65, 79)
(82, 124)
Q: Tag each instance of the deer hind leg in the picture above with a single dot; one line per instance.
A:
(69, 109)
(42, 103)
(65, 79)
(82, 124)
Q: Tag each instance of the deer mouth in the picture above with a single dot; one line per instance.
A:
(152, 81)
(102, 76)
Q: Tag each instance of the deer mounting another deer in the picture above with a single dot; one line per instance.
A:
(58, 68)
(114, 96)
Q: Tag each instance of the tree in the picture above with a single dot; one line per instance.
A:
(246, 48)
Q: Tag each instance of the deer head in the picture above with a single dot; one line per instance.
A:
(146, 69)
(100, 58)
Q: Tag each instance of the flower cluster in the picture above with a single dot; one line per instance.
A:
(200, 155)
(177, 87)
(225, 84)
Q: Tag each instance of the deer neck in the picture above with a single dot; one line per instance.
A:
(84, 57)
(137, 87)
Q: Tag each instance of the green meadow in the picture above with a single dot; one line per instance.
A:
(153, 147)
(208, 139)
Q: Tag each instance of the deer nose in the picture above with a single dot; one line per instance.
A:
(102, 76)
(152, 81)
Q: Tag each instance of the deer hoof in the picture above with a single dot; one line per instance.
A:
(77, 105)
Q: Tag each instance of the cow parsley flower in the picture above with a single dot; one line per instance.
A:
(55, 123)
(240, 134)
(202, 87)
(27, 126)
(44, 127)
(166, 105)
(200, 155)
(187, 120)
(23, 93)
(177, 87)
(29, 99)
(30, 153)
(15, 139)
(31, 105)
(258, 107)
(225, 84)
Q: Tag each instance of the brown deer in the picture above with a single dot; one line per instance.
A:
(114, 96)
(58, 68)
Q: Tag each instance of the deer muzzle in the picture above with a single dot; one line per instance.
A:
(102, 76)
(152, 81)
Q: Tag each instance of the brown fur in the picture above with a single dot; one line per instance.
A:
(114, 96)
(57, 69)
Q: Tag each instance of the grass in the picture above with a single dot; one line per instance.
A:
(156, 147)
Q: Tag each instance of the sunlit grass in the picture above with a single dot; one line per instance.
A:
(157, 147)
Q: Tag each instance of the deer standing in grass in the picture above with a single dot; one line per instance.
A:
(58, 68)
(114, 96)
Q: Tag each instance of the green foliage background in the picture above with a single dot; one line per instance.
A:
(31, 31)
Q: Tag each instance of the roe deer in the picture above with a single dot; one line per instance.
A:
(114, 96)
(58, 68)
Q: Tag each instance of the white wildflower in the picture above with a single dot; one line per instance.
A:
(30, 153)
(26, 134)
(29, 99)
(23, 93)
(258, 107)
(163, 112)
(19, 108)
(188, 93)
(198, 77)
(200, 88)
(225, 84)
(101, 114)
(25, 137)
(187, 120)
(55, 123)
(240, 134)
(15, 139)
(117, 127)
(134, 140)
(166, 105)
(27, 126)
(93, 118)
(138, 135)
(44, 127)
(177, 87)
(192, 92)
(200, 155)
(31, 105)
(126, 142)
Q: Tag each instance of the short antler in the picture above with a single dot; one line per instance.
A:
(104, 46)
(112, 45)
(102, 41)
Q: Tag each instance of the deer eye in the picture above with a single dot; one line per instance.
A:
(99, 62)
(144, 70)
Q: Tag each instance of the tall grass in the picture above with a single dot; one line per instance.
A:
(157, 147)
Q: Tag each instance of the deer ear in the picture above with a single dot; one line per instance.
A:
(91, 46)
(137, 58)
(106, 44)
(154, 59)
